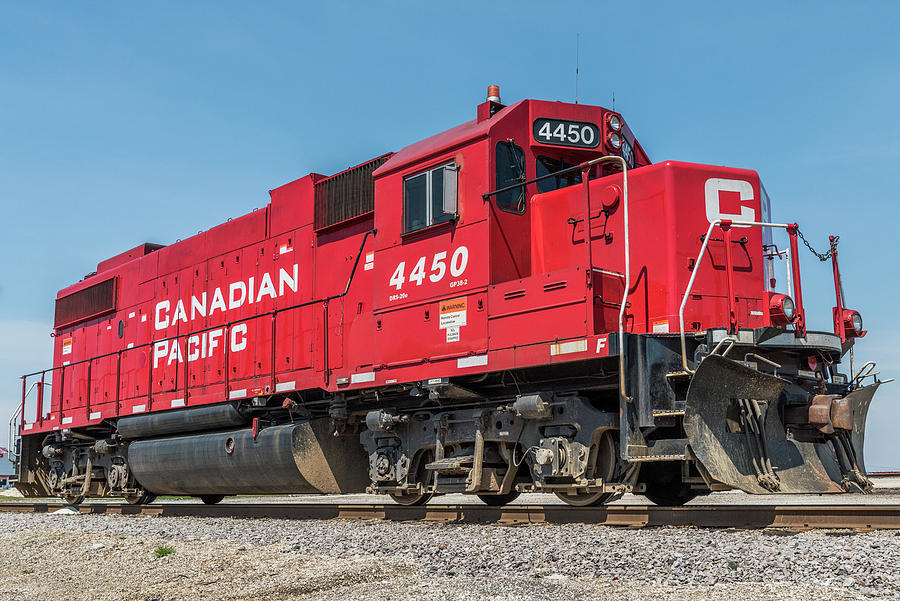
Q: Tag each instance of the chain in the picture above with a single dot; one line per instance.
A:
(822, 256)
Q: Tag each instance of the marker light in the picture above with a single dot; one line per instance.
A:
(615, 123)
(615, 140)
(781, 309)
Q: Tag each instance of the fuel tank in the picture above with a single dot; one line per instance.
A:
(286, 459)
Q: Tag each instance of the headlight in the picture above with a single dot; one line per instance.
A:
(853, 324)
(787, 307)
(615, 123)
(781, 309)
(615, 140)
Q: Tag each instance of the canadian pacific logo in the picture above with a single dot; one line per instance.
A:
(204, 344)
(715, 185)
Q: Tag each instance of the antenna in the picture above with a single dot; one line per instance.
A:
(614, 100)
(577, 48)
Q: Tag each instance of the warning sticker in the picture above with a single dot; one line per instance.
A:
(453, 334)
(453, 313)
(661, 327)
(370, 261)
(67, 346)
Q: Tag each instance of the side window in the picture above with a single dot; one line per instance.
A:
(429, 197)
(546, 166)
(510, 164)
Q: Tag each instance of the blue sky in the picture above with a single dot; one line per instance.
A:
(123, 123)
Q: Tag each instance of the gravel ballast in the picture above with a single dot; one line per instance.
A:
(62, 557)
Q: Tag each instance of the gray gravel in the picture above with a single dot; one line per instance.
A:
(365, 559)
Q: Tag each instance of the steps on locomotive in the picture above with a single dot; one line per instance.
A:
(668, 449)
(452, 466)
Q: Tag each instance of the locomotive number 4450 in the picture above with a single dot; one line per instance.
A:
(560, 132)
(458, 263)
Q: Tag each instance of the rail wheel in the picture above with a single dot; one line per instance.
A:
(144, 498)
(604, 466)
(664, 485)
(668, 499)
(211, 499)
(423, 476)
(72, 499)
(499, 500)
(411, 499)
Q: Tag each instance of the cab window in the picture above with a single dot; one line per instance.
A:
(510, 166)
(429, 197)
(546, 166)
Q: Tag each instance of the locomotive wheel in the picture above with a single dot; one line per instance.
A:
(499, 500)
(664, 485)
(422, 475)
(211, 499)
(411, 500)
(670, 499)
(140, 499)
(604, 467)
(73, 499)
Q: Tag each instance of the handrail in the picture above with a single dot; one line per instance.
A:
(12, 432)
(587, 237)
(725, 224)
(17, 416)
(227, 326)
(533, 180)
(583, 167)
(864, 372)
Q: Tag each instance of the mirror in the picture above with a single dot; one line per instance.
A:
(450, 188)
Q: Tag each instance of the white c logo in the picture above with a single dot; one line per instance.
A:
(714, 185)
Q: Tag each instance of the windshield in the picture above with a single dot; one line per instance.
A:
(545, 165)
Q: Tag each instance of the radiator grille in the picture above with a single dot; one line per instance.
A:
(346, 195)
(85, 304)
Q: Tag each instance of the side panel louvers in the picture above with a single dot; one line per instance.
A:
(346, 195)
(85, 304)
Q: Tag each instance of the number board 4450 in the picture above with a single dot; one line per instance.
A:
(559, 132)
(434, 269)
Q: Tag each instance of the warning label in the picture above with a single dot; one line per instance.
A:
(453, 334)
(67, 346)
(453, 313)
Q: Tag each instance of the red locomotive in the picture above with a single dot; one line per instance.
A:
(521, 303)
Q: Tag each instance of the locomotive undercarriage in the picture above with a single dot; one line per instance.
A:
(780, 420)
(762, 411)
(537, 442)
(76, 465)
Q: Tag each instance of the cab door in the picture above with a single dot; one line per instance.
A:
(431, 268)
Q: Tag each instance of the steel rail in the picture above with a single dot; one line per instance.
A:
(794, 517)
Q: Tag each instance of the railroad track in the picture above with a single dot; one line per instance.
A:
(858, 517)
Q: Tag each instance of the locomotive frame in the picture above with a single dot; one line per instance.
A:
(522, 303)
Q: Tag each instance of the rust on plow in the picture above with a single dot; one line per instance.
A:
(857, 517)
